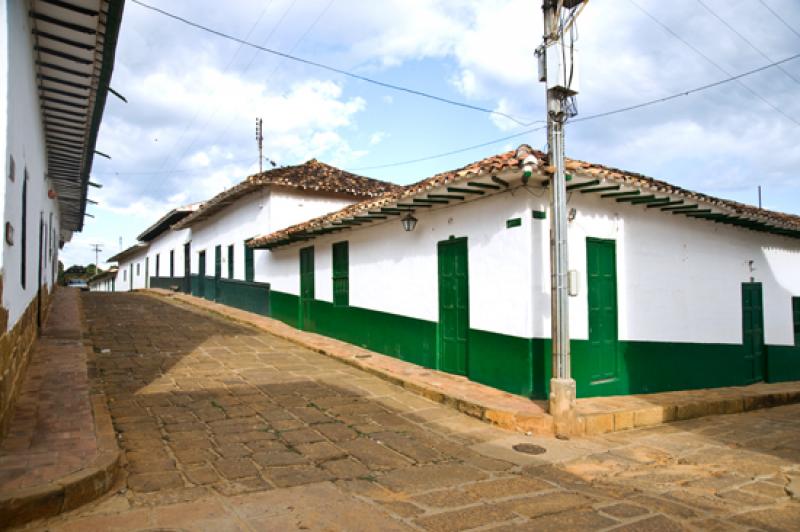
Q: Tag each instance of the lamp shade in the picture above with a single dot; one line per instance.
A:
(409, 222)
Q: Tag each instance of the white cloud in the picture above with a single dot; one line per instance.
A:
(377, 137)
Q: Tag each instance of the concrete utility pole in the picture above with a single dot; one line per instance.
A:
(557, 73)
(97, 249)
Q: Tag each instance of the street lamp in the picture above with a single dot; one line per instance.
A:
(409, 222)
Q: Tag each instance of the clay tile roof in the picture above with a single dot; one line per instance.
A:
(164, 223)
(312, 176)
(512, 161)
(125, 253)
(489, 166)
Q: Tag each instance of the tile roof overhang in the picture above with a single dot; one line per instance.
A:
(168, 220)
(108, 274)
(129, 252)
(313, 176)
(497, 173)
(483, 178)
(74, 45)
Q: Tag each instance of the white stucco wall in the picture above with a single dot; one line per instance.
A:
(23, 139)
(678, 278)
(161, 245)
(263, 211)
(131, 272)
(397, 272)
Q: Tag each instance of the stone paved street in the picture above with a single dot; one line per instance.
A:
(225, 427)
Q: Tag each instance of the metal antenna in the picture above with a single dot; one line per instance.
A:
(260, 140)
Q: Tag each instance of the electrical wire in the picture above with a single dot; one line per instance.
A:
(277, 65)
(709, 60)
(246, 68)
(783, 20)
(596, 115)
(745, 39)
(171, 152)
(336, 70)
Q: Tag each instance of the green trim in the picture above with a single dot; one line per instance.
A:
(249, 261)
(522, 365)
(513, 222)
(230, 261)
(584, 184)
(341, 274)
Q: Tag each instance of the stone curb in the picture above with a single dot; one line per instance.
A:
(541, 424)
(676, 406)
(77, 488)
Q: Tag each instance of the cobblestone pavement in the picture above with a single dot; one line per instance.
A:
(228, 428)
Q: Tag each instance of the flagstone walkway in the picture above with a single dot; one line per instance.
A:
(226, 427)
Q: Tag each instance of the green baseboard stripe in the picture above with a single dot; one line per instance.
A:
(783, 363)
(245, 295)
(522, 365)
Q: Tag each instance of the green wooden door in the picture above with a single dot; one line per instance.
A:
(453, 306)
(212, 295)
(753, 331)
(201, 274)
(603, 360)
(187, 267)
(304, 319)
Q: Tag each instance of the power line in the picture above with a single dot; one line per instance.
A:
(230, 63)
(336, 70)
(277, 65)
(708, 59)
(745, 39)
(596, 115)
(213, 114)
(783, 20)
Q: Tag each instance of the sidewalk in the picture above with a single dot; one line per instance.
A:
(60, 450)
(597, 415)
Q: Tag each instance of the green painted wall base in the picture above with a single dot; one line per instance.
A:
(246, 295)
(522, 365)
(169, 283)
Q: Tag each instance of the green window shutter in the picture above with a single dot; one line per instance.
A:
(249, 269)
(218, 262)
(341, 274)
(230, 261)
(796, 312)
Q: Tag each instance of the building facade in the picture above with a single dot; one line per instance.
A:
(57, 62)
(132, 268)
(104, 281)
(47, 141)
(670, 289)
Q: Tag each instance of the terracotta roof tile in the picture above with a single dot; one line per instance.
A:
(512, 160)
(312, 176)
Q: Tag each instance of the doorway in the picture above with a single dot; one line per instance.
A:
(753, 331)
(453, 306)
(304, 320)
(601, 258)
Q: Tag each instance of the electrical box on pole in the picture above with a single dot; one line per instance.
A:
(558, 68)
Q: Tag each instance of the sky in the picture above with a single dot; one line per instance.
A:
(187, 131)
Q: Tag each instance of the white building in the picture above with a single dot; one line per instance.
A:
(132, 268)
(671, 289)
(222, 268)
(56, 61)
(169, 250)
(104, 281)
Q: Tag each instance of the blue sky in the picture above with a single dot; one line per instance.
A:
(187, 131)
